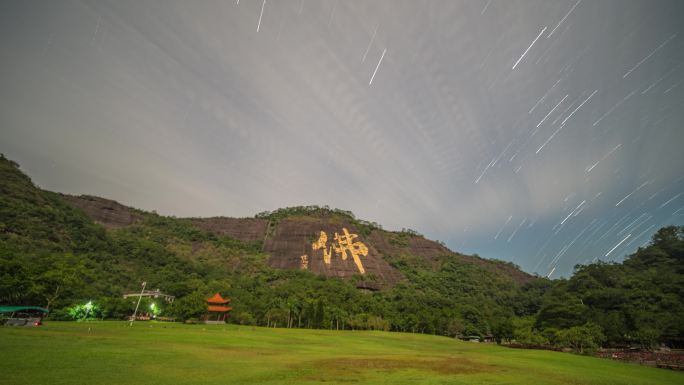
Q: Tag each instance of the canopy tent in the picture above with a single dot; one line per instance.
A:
(14, 309)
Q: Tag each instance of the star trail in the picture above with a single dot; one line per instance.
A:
(546, 133)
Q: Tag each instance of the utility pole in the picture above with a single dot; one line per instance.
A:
(138, 304)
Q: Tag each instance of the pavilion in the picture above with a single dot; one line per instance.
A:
(217, 309)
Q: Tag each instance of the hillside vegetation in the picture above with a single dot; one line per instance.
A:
(54, 255)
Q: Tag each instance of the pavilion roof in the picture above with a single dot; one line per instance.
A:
(221, 309)
(216, 298)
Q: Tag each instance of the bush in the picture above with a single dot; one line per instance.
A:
(59, 315)
(85, 311)
(116, 307)
(366, 321)
(647, 337)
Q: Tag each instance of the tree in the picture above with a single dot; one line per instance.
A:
(319, 314)
(62, 278)
(502, 330)
(560, 309)
(455, 327)
(528, 301)
(275, 316)
(245, 318)
(669, 238)
(193, 305)
(15, 281)
(116, 307)
(581, 339)
(525, 333)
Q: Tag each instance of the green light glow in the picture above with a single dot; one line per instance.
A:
(155, 309)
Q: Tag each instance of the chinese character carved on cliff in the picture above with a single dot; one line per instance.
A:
(344, 243)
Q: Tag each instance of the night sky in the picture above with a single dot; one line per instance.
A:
(546, 133)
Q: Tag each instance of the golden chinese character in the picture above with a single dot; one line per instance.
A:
(305, 262)
(321, 243)
(345, 243)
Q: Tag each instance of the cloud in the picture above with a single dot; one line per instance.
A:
(188, 110)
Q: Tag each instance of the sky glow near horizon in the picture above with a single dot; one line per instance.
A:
(546, 133)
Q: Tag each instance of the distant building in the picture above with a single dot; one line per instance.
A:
(145, 314)
(471, 338)
(474, 338)
(151, 294)
(217, 311)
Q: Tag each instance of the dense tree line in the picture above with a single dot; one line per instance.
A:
(53, 255)
(639, 302)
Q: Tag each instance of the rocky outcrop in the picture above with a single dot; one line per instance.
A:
(108, 213)
(244, 229)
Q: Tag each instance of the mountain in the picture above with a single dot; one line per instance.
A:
(287, 236)
(322, 268)
(58, 250)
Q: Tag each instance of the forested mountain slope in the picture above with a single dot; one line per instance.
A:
(320, 267)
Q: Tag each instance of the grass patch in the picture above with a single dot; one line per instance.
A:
(160, 353)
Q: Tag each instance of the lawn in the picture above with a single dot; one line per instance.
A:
(161, 353)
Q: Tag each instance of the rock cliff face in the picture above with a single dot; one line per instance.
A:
(391, 244)
(108, 213)
(329, 245)
(302, 243)
(244, 229)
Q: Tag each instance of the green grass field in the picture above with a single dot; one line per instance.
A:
(159, 353)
